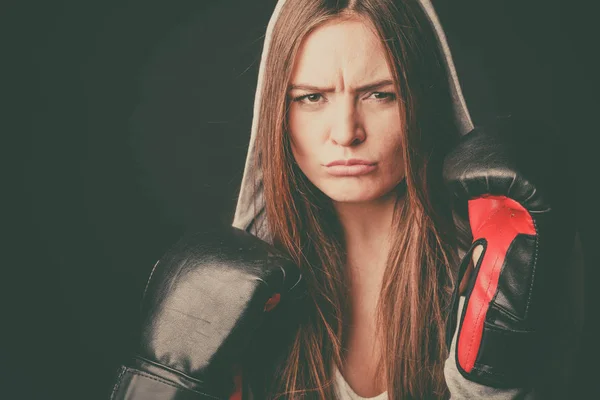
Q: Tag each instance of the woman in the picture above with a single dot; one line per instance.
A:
(357, 104)
(361, 231)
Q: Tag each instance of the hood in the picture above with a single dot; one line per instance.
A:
(250, 209)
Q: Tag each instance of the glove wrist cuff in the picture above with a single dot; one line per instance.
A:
(149, 380)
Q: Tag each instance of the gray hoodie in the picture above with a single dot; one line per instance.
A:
(250, 216)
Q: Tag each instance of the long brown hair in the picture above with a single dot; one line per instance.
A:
(419, 274)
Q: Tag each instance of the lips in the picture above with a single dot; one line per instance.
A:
(351, 161)
(351, 167)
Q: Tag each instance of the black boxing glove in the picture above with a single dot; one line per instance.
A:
(206, 303)
(505, 175)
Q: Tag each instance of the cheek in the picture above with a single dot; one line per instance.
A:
(385, 131)
(304, 137)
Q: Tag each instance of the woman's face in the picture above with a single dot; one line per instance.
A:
(344, 118)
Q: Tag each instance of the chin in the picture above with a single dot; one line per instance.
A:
(350, 194)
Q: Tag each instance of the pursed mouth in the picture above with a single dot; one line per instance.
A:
(350, 170)
(350, 162)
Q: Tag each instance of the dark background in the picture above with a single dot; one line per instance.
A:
(126, 123)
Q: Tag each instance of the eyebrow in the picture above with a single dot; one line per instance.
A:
(364, 88)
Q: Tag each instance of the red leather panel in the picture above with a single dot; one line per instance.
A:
(498, 220)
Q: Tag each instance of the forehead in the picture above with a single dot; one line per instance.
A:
(341, 53)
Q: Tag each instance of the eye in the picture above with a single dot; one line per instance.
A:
(309, 98)
(383, 96)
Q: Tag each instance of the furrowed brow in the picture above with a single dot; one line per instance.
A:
(364, 88)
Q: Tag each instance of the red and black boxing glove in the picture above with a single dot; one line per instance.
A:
(218, 304)
(509, 180)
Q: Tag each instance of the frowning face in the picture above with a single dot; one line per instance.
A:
(344, 117)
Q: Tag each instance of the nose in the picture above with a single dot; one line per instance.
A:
(346, 128)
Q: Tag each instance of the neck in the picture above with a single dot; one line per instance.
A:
(367, 228)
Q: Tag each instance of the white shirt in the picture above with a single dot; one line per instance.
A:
(345, 392)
